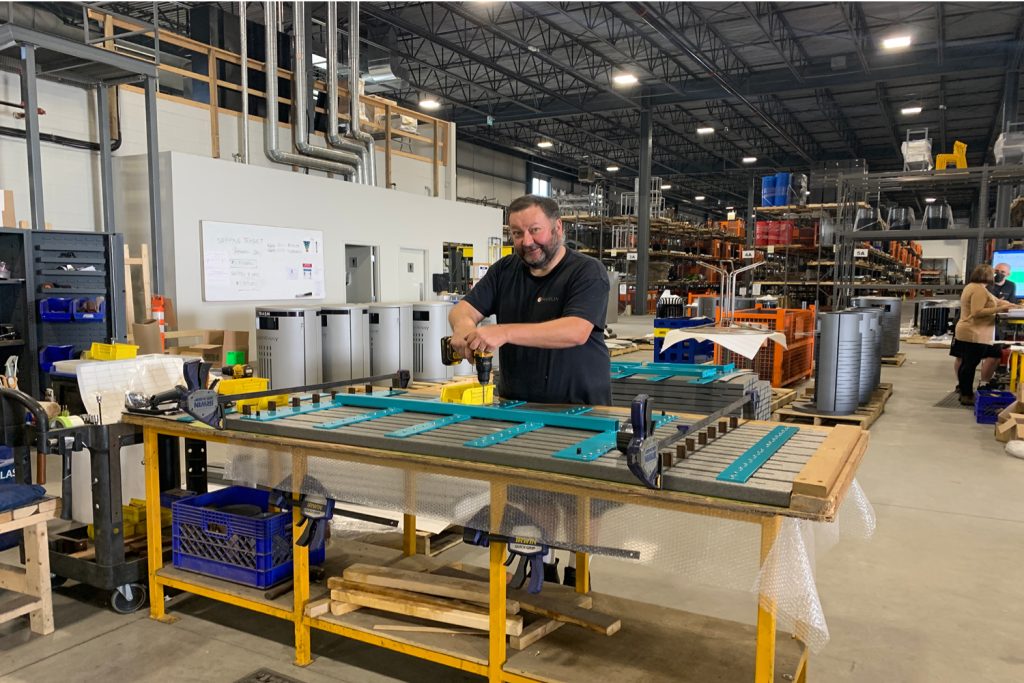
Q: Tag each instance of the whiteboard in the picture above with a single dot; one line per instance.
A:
(261, 263)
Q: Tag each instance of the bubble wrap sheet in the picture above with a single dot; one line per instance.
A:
(713, 551)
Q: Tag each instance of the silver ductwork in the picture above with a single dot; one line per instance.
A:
(243, 39)
(333, 139)
(353, 90)
(271, 143)
(300, 109)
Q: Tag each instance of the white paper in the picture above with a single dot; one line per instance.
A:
(109, 380)
(742, 340)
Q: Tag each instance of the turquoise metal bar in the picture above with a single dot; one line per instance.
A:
(504, 435)
(742, 468)
(355, 419)
(578, 410)
(593, 448)
(428, 426)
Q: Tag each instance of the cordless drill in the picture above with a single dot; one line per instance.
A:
(482, 360)
(239, 371)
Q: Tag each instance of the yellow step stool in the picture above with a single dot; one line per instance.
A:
(958, 158)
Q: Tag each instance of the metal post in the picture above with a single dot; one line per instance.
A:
(153, 161)
(977, 254)
(244, 47)
(106, 169)
(35, 167)
(643, 213)
(1004, 191)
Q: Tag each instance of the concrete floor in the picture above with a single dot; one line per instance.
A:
(936, 596)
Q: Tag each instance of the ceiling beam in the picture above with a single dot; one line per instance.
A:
(776, 29)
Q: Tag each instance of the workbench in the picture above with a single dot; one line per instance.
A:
(827, 476)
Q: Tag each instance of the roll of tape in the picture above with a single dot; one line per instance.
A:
(65, 421)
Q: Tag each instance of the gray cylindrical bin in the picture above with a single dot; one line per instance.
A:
(837, 384)
(891, 311)
(870, 351)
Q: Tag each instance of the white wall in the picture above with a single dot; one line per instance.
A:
(195, 188)
(956, 250)
(480, 183)
(71, 176)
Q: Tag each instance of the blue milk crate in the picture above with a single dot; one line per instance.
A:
(252, 551)
(988, 405)
(689, 351)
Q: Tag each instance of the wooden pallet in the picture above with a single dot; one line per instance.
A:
(916, 339)
(782, 397)
(864, 416)
(896, 361)
(620, 347)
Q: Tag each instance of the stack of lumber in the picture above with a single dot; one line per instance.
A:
(458, 599)
(679, 394)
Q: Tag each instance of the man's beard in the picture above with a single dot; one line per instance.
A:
(538, 257)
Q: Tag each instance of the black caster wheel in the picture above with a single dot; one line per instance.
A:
(128, 598)
(56, 581)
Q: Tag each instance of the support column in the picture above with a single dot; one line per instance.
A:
(976, 248)
(35, 166)
(1004, 192)
(106, 168)
(643, 213)
(153, 161)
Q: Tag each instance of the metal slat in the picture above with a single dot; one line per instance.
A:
(744, 466)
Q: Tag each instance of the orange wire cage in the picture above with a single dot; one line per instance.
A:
(773, 363)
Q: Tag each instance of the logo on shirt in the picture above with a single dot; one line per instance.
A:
(546, 299)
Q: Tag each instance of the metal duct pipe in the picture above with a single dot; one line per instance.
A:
(891, 307)
(837, 385)
(870, 351)
(353, 90)
(271, 144)
(243, 35)
(333, 139)
(352, 161)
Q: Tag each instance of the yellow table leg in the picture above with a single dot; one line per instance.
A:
(154, 534)
(498, 581)
(764, 667)
(583, 536)
(409, 520)
(582, 573)
(300, 566)
(1014, 370)
(801, 668)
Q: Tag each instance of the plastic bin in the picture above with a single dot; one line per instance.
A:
(988, 405)
(254, 551)
(768, 190)
(52, 353)
(690, 351)
(56, 308)
(89, 308)
(101, 351)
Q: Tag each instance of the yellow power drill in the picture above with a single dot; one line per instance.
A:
(482, 359)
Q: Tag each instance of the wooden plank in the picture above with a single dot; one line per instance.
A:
(534, 632)
(418, 582)
(340, 608)
(422, 606)
(411, 628)
(147, 287)
(317, 608)
(827, 507)
(820, 473)
(17, 605)
(12, 578)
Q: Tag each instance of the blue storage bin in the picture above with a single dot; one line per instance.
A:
(52, 353)
(768, 190)
(252, 551)
(988, 405)
(89, 308)
(690, 351)
(56, 308)
(782, 189)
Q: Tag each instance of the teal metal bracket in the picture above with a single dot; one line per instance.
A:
(356, 419)
(743, 468)
(593, 448)
(427, 426)
(504, 435)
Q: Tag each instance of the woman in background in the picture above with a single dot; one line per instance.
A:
(974, 339)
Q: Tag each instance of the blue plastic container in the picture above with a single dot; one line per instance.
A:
(768, 190)
(988, 405)
(254, 551)
(89, 308)
(690, 351)
(51, 353)
(782, 189)
(56, 308)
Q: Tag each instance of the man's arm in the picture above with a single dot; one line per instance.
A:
(563, 333)
(463, 318)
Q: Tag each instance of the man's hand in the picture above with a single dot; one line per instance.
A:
(459, 344)
(488, 338)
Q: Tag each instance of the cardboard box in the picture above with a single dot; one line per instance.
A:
(7, 209)
(1010, 428)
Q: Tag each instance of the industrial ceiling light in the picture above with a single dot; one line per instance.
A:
(625, 78)
(913, 110)
(730, 208)
(667, 186)
(749, 160)
(429, 102)
(705, 130)
(896, 42)
(699, 198)
(929, 200)
(611, 169)
(544, 144)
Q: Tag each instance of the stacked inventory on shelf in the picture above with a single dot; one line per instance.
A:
(780, 366)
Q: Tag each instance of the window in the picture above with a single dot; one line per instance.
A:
(541, 187)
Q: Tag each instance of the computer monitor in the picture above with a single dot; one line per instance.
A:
(1015, 259)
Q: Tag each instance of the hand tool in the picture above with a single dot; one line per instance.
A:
(483, 360)
(237, 371)
(193, 397)
(643, 451)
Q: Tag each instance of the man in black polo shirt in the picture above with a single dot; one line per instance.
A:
(1002, 287)
(550, 303)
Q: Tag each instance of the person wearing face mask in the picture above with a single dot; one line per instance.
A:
(974, 337)
(1002, 287)
(550, 303)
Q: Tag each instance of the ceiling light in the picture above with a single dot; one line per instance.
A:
(666, 186)
(429, 102)
(544, 144)
(749, 160)
(612, 168)
(625, 78)
(896, 42)
(699, 198)
(929, 200)
(910, 111)
(730, 208)
(705, 130)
